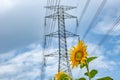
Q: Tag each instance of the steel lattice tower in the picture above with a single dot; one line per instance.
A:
(60, 15)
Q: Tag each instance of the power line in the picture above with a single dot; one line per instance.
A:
(95, 16)
(117, 22)
(84, 10)
(42, 76)
(47, 29)
(52, 26)
(48, 21)
(82, 14)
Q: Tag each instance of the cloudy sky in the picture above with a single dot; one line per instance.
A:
(21, 38)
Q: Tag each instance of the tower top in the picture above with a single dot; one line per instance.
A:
(56, 7)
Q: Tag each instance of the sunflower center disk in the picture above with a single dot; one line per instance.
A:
(78, 56)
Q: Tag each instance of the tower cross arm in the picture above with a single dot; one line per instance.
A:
(66, 16)
(56, 7)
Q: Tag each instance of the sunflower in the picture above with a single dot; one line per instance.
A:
(62, 76)
(78, 54)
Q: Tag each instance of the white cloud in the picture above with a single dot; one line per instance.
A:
(95, 50)
(103, 28)
(7, 69)
(23, 66)
(6, 56)
(115, 50)
(101, 62)
(27, 65)
(107, 18)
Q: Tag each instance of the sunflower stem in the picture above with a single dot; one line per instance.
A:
(88, 70)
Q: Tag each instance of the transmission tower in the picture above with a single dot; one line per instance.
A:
(62, 34)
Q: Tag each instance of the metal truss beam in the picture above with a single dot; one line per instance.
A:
(68, 34)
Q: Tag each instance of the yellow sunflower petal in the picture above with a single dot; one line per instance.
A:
(78, 54)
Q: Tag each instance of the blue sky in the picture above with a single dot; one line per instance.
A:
(21, 38)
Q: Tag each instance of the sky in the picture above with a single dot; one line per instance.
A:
(21, 38)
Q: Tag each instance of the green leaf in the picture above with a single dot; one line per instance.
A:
(82, 66)
(90, 59)
(65, 77)
(105, 78)
(81, 78)
(92, 73)
(86, 73)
